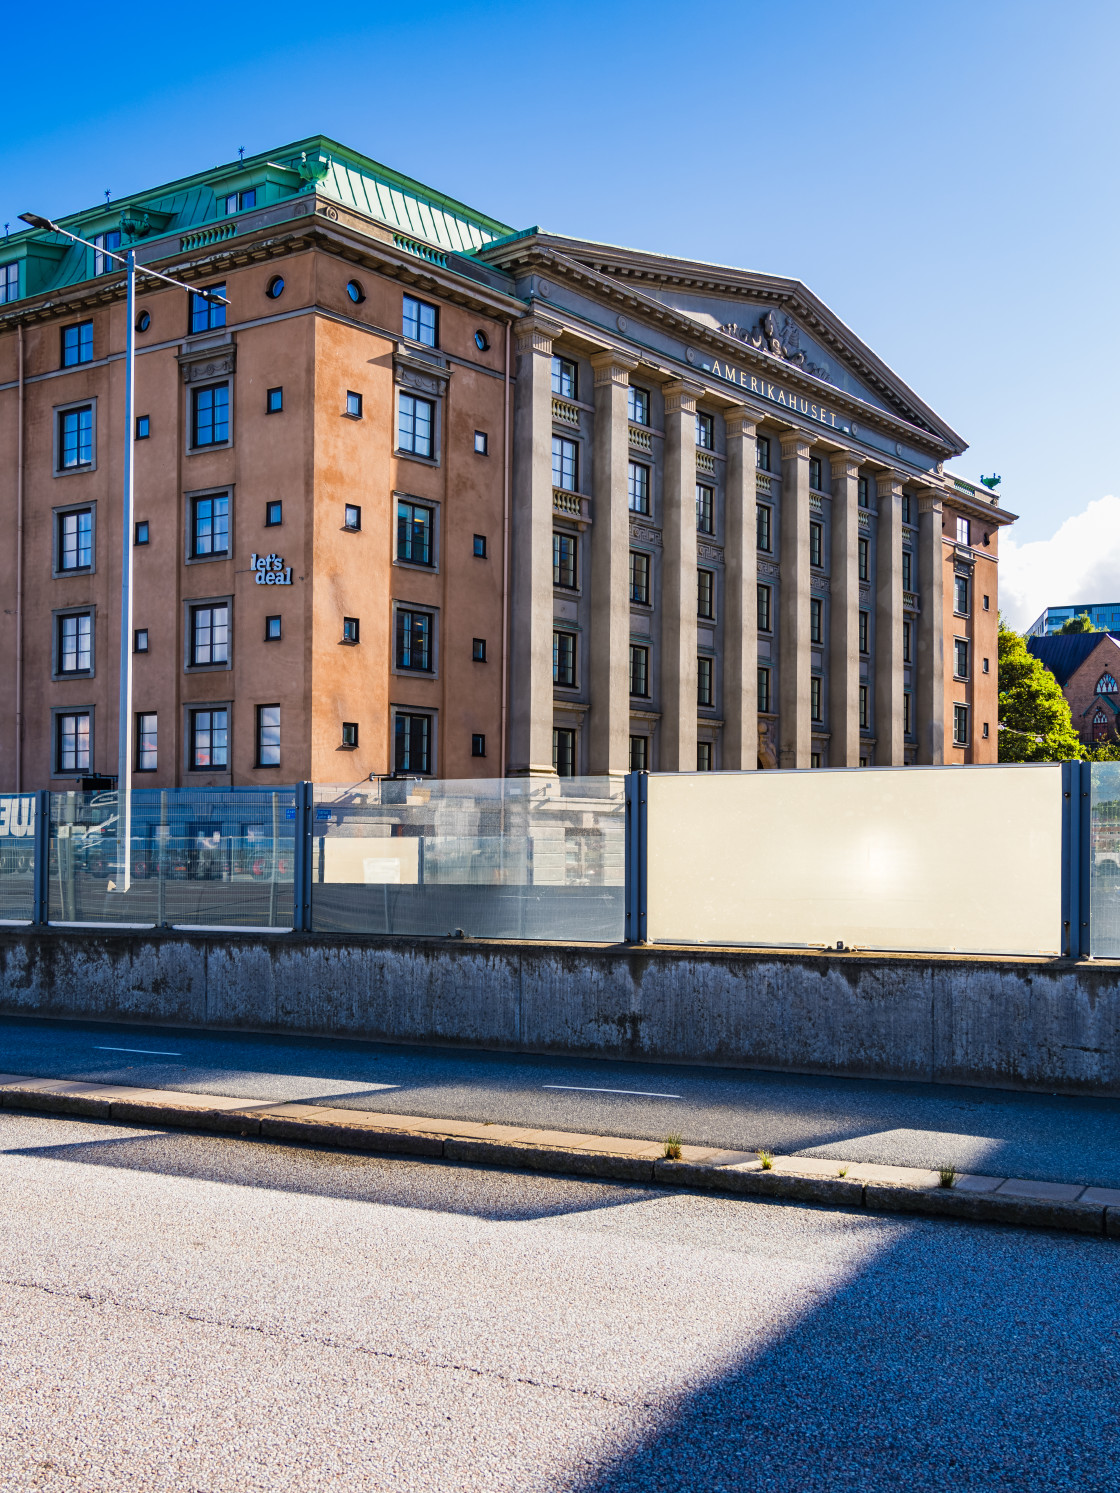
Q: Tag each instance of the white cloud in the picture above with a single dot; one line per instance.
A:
(1080, 563)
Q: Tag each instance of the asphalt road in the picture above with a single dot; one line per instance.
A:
(902, 1124)
(185, 1312)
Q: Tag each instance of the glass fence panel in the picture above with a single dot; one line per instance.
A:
(492, 857)
(17, 857)
(201, 857)
(1104, 860)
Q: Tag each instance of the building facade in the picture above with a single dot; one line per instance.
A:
(433, 497)
(1087, 668)
(1102, 614)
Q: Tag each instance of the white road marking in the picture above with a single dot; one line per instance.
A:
(579, 1088)
(147, 1051)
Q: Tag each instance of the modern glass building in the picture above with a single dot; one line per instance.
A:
(1102, 614)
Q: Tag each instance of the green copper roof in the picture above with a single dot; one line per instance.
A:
(180, 207)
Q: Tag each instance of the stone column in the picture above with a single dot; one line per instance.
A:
(843, 614)
(677, 738)
(530, 667)
(888, 622)
(795, 730)
(740, 599)
(929, 665)
(609, 661)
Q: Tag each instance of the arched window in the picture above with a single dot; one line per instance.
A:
(1106, 685)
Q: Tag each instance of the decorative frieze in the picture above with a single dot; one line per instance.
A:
(643, 534)
(709, 552)
(207, 358)
(819, 585)
(768, 567)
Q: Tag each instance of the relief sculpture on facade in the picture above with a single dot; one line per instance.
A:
(780, 342)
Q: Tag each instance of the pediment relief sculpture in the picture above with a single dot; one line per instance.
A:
(780, 341)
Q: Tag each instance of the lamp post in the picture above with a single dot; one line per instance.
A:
(124, 724)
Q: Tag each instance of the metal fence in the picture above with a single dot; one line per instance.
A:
(1002, 859)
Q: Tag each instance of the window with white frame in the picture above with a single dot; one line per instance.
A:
(964, 531)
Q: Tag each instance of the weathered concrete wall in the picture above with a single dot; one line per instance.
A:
(1007, 1023)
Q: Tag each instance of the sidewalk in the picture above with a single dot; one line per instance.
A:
(1072, 1207)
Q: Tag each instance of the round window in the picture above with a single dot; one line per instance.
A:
(275, 287)
(480, 340)
(355, 291)
(143, 321)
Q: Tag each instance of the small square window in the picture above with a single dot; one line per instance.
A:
(272, 629)
(478, 650)
(273, 514)
(350, 629)
(482, 443)
(480, 546)
(142, 531)
(140, 640)
(274, 401)
(349, 733)
(353, 404)
(478, 745)
(353, 518)
(143, 427)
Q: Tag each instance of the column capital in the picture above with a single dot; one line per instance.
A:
(844, 465)
(795, 443)
(536, 334)
(681, 397)
(740, 422)
(612, 367)
(930, 500)
(888, 484)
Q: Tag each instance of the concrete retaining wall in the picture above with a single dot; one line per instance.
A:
(1038, 1025)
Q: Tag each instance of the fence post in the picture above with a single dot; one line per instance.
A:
(635, 873)
(41, 904)
(1085, 877)
(1076, 858)
(301, 871)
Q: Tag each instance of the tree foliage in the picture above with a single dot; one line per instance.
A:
(1034, 719)
(1080, 623)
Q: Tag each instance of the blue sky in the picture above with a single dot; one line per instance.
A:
(943, 175)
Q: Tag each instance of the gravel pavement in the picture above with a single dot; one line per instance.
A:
(183, 1312)
(991, 1131)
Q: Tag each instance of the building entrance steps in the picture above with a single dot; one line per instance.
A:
(1071, 1207)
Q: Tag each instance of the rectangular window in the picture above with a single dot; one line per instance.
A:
(964, 531)
(209, 741)
(637, 486)
(637, 405)
(75, 540)
(478, 745)
(762, 453)
(353, 404)
(864, 560)
(639, 754)
(564, 659)
(564, 560)
(763, 688)
(565, 464)
(984, 667)
(415, 525)
(268, 736)
(103, 263)
(414, 640)
(419, 321)
(273, 514)
(272, 629)
(210, 415)
(907, 642)
(907, 508)
(865, 632)
(75, 643)
(412, 745)
(907, 713)
(72, 743)
(349, 733)
(478, 650)
(907, 571)
(705, 593)
(960, 595)
(864, 493)
(960, 725)
(238, 202)
(416, 422)
(764, 595)
(984, 731)
(352, 516)
(705, 431)
(210, 526)
(704, 682)
(703, 756)
(564, 751)
(143, 427)
(140, 640)
(762, 526)
(564, 380)
(639, 578)
(207, 316)
(209, 635)
(985, 603)
(75, 438)
(814, 759)
(639, 671)
(9, 283)
(273, 401)
(815, 473)
(815, 712)
(146, 743)
(481, 443)
(864, 709)
(816, 620)
(960, 658)
(77, 344)
(816, 545)
(705, 509)
(351, 629)
(480, 546)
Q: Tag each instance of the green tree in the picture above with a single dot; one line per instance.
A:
(1080, 623)
(1034, 718)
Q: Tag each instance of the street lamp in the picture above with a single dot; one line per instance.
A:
(124, 738)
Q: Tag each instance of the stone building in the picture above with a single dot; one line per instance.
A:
(435, 497)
